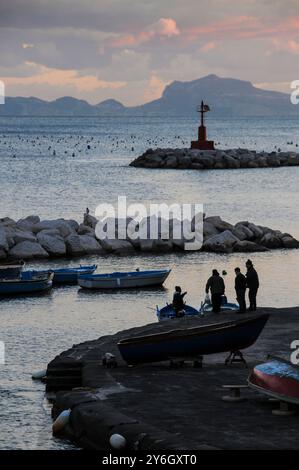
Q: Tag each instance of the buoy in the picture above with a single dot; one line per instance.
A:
(61, 421)
(117, 441)
(39, 375)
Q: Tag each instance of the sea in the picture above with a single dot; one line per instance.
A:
(56, 167)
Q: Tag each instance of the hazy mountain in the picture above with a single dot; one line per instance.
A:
(226, 97)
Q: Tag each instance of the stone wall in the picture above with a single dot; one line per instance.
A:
(214, 159)
(31, 238)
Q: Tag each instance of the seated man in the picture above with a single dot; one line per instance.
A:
(178, 301)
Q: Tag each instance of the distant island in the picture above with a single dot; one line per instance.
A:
(228, 97)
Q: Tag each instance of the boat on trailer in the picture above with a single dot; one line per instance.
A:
(26, 284)
(231, 336)
(123, 280)
(68, 275)
(277, 378)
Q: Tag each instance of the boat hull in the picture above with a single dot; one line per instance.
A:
(16, 287)
(10, 271)
(278, 379)
(167, 313)
(192, 342)
(123, 280)
(67, 275)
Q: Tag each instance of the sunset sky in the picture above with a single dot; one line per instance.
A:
(130, 49)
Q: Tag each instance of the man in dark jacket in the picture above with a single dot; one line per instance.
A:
(216, 285)
(178, 301)
(240, 287)
(252, 281)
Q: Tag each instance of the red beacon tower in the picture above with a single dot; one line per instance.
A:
(202, 143)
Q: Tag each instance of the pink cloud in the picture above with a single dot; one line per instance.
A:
(241, 27)
(290, 45)
(209, 46)
(43, 75)
(164, 27)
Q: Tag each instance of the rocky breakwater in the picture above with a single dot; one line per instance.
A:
(230, 159)
(31, 238)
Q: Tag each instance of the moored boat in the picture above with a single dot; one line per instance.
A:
(276, 378)
(67, 275)
(207, 307)
(26, 284)
(11, 271)
(192, 342)
(168, 312)
(123, 280)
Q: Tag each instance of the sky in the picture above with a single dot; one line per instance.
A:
(130, 50)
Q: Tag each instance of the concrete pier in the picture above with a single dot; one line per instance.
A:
(156, 407)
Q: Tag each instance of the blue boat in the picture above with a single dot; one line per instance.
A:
(26, 284)
(67, 275)
(123, 280)
(215, 338)
(168, 312)
(11, 271)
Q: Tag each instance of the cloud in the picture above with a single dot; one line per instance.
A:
(129, 49)
(209, 46)
(60, 78)
(154, 89)
(290, 45)
(27, 45)
(166, 27)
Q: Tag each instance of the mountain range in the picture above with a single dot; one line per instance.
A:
(226, 96)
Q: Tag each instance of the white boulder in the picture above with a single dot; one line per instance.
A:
(3, 239)
(54, 244)
(222, 243)
(117, 246)
(64, 226)
(22, 236)
(28, 250)
(82, 245)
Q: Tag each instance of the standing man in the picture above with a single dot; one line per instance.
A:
(216, 285)
(252, 281)
(240, 287)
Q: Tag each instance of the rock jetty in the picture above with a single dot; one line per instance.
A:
(155, 406)
(31, 238)
(186, 158)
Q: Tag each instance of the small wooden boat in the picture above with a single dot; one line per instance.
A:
(206, 307)
(277, 378)
(168, 312)
(193, 342)
(68, 275)
(26, 284)
(11, 270)
(123, 280)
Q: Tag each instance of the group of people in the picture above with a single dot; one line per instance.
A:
(250, 281)
(216, 287)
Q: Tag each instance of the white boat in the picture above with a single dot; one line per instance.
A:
(123, 280)
(207, 307)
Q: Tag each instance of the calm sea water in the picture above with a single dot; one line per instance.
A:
(48, 169)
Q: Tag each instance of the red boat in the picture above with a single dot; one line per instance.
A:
(277, 378)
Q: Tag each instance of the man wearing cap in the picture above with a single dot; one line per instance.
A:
(252, 282)
(217, 287)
